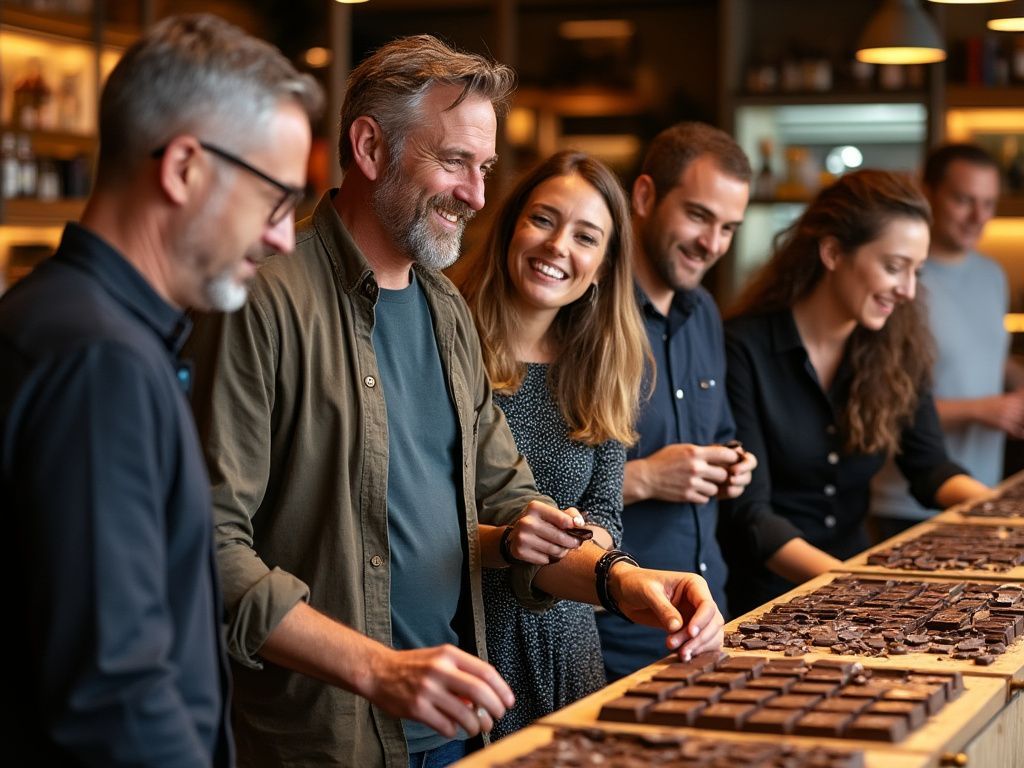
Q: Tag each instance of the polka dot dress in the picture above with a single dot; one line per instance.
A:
(551, 659)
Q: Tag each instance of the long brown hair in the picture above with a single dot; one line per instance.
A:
(890, 365)
(601, 344)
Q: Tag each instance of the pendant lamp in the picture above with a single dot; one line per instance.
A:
(901, 32)
(1008, 17)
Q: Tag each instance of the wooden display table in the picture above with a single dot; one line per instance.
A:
(947, 732)
(860, 564)
(1008, 665)
(537, 736)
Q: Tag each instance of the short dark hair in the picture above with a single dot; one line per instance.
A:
(675, 148)
(939, 159)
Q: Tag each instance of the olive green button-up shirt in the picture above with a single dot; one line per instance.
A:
(293, 423)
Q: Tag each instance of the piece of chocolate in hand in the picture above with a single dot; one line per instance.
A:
(581, 534)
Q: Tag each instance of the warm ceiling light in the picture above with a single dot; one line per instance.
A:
(317, 57)
(350, 2)
(1008, 18)
(968, 2)
(901, 33)
(595, 29)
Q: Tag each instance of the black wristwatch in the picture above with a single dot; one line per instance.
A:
(505, 548)
(601, 573)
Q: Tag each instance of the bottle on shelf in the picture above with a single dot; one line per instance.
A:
(32, 97)
(10, 170)
(69, 106)
(766, 182)
(28, 170)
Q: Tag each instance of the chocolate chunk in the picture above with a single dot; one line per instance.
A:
(677, 712)
(747, 696)
(751, 665)
(877, 728)
(728, 680)
(842, 704)
(822, 723)
(790, 701)
(681, 673)
(984, 660)
(772, 721)
(655, 689)
(727, 716)
(709, 693)
(913, 711)
(581, 534)
(772, 683)
(626, 709)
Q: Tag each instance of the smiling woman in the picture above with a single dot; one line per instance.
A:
(828, 374)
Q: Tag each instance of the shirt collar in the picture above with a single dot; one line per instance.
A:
(785, 336)
(682, 304)
(87, 251)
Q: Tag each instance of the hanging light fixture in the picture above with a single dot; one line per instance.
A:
(900, 32)
(968, 2)
(1008, 18)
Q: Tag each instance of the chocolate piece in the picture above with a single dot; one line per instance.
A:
(770, 720)
(709, 693)
(680, 673)
(727, 716)
(728, 680)
(822, 723)
(751, 665)
(747, 696)
(815, 689)
(788, 701)
(877, 728)
(626, 709)
(933, 697)
(677, 712)
(777, 684)
(581, 534)
(913, 711)
(707, 660)
(841, 704)
(656, 689)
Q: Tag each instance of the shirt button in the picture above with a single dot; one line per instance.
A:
(370, 381)
(376, 561)
(830, 429)
(664, 337)
(833, 457)
(830, 490)
(830, 521)
(679, 394)
(703, 567)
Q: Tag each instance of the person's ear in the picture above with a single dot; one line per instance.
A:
(368, 148)
(644, 197)
(179, 171)
(829, 252)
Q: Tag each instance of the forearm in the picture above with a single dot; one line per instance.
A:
(957, 489)
(308, 642)
(572, 577)
(797, 561)
(954, 414)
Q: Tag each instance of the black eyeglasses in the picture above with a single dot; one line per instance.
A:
(290, 196)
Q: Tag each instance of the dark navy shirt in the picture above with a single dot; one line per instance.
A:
(112, 587)
(688, 405)
(806, 485)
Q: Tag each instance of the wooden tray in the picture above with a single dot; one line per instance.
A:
(536, 736)
(954, 726)
(1008, 665)
(956, 515)
(860, 564)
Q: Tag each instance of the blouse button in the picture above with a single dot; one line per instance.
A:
(679, 394)
(703, 567)
(830, 490)
(833, 457)
(370, 382)
(830, 521)
(376, 561)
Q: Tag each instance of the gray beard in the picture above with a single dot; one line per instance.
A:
(225, 293)
(409, 225)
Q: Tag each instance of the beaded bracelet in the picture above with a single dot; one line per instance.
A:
(505, 547)
(602, 571)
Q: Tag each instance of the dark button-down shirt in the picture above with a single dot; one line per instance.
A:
(115, 605)
(688, 405)
(806, 485)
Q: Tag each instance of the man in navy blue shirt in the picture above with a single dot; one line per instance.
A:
(688, 202)
(113, 594)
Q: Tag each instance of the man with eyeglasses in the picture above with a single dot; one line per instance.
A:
(112, 582)
(353, 445)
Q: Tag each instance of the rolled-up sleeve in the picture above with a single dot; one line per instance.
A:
(235, 359)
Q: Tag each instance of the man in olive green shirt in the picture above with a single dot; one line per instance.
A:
(293, 415)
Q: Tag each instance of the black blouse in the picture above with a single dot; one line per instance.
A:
(805, 485)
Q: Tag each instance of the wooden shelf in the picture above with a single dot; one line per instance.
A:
(582, 102)
(35, 213)
(59, 144)
(1011, 96)
(782, 99)
(71, 27)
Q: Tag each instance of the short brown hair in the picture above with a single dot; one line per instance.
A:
(672, 151)
(939, 159)
(390, 84)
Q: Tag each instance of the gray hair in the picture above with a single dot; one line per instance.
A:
(390, 85)
(195, 74)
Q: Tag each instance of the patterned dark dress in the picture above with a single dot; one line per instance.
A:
(551, 659)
